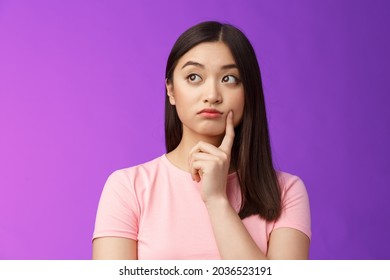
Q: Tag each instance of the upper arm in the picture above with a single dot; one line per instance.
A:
(116, 225)
(288, 243)
(291, 233)
(114, 248)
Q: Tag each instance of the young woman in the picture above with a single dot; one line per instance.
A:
(215, 194)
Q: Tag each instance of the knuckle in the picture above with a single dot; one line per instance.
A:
(224, 157)
(221, 161)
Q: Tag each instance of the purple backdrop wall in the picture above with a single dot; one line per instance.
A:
(82, 91)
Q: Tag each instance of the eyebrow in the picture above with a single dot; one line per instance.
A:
(197, 64)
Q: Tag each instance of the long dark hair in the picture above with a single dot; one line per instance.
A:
(251, 152)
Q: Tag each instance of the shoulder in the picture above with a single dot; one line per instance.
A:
(295, 203)
(144, 169)
(122, 200)
(290, 183)
(125, 179)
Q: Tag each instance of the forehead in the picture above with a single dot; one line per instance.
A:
(208, 54)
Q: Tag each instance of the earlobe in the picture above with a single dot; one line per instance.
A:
(169, 87)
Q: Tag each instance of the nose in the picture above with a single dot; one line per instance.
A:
(212, 93)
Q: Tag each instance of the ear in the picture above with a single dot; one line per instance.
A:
(169, 86)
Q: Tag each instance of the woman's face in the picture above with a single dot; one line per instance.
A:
(206, 86)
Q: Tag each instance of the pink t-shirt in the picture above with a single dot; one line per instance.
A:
(159, 206)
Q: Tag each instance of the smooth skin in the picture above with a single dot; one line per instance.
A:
(206, 77)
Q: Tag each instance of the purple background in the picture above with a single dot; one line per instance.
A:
(82, 92)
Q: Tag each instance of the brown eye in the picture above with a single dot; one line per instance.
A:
(230, 79)
(193, 78)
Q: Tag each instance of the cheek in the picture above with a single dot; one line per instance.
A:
(184, 100)
(237, 118)
(238, 108)
(184, 95)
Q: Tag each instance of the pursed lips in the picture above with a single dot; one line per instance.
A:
(210, 111)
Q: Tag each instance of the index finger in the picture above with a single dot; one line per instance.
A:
(227, 142)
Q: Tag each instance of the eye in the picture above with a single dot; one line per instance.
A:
(230, 79)
(193, 78)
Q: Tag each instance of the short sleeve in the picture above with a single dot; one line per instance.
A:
(118, 211)
(295, 205)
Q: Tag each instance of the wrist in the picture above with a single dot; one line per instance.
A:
(217, 202)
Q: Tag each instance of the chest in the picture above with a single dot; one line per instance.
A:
(174, 223)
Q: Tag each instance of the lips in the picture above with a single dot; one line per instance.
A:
(210, 111)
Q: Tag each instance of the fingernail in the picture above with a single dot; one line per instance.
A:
(231, 114)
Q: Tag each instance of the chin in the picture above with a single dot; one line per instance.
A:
(207, 130)
(212, 132)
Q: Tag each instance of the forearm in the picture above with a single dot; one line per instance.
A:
(233, 239)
